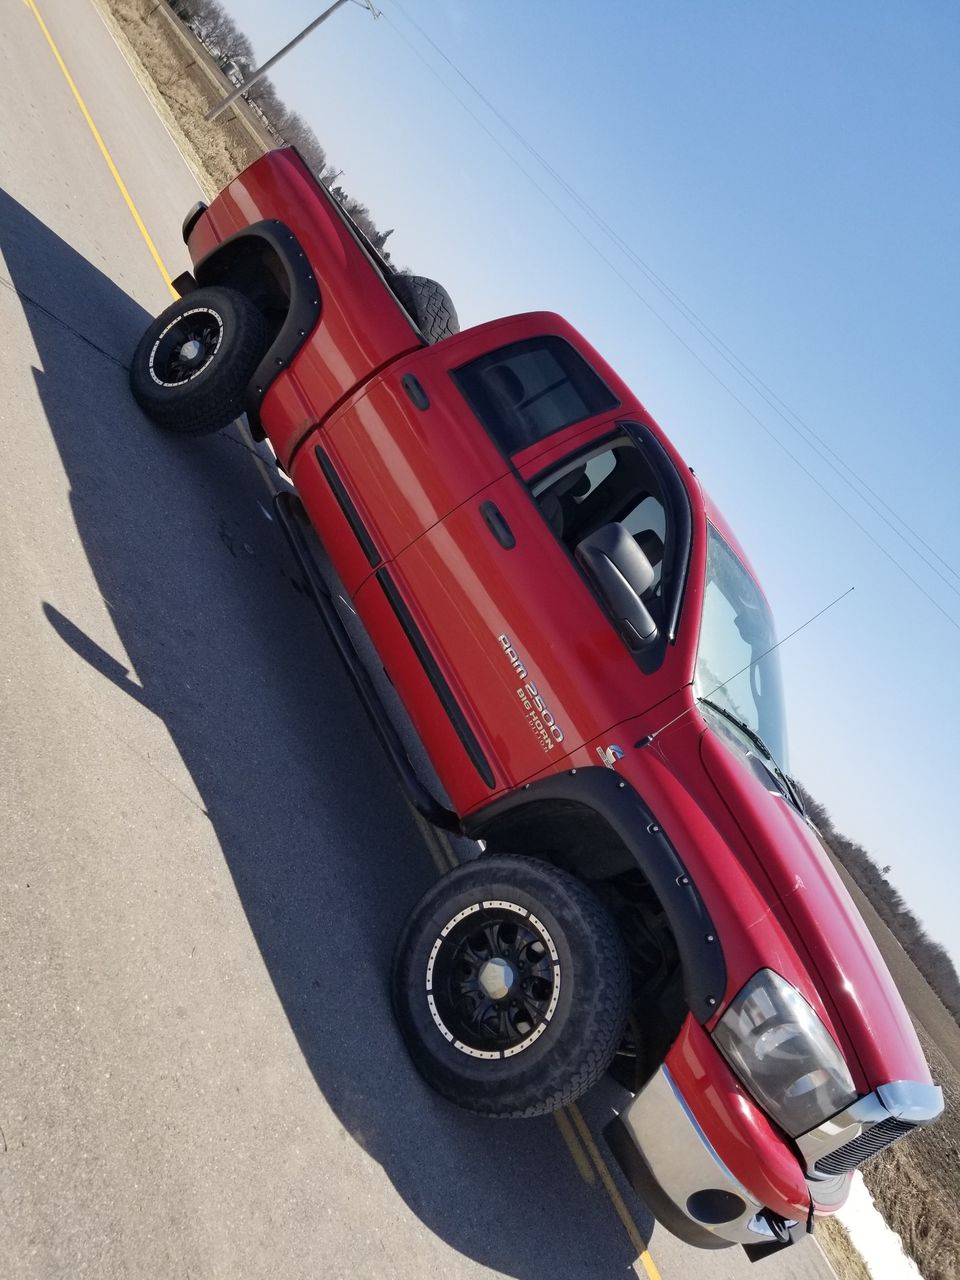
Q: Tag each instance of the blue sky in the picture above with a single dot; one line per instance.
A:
(792, 172)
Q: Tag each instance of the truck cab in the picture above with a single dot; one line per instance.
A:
(468, 474)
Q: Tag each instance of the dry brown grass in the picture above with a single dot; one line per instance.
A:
(836, 1244)
(183, 84)
(916, 1184)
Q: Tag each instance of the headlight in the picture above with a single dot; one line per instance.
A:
(784, 1054)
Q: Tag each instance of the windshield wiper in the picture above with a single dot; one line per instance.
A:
(787, 785)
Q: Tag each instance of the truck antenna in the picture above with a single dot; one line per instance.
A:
(645, 742)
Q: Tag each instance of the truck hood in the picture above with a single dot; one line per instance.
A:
(852, 979)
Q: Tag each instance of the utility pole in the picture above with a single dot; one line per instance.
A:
(272, 62)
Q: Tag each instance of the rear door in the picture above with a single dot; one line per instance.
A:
(439, 425)
(407, 452)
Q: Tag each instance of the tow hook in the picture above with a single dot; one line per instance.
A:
(780, 1234)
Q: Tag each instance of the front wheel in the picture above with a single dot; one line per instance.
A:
(192, 367)
(511, 986)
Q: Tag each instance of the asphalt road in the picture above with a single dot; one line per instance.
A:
(204, 858)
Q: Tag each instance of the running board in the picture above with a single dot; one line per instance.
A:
(296, 525)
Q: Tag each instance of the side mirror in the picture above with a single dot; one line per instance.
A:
(622, 576)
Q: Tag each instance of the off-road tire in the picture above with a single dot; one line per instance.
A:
(580, 1039)
(429, 304)
(214, 397)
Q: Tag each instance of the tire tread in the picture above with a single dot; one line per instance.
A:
(216, 398)
(569, 1073)
(429, 304)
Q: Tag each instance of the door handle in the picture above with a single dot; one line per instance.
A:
(497, 525)
(414, 389)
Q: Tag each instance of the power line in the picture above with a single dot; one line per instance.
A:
(825, 452)
(754, 381)
(702, 697)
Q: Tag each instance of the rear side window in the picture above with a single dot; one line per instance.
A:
(527, 390)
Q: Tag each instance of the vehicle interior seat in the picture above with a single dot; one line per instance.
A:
(559, 500)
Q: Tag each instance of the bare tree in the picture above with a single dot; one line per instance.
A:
(361, 216)
(292, 124)
(929, 956)
(301, 135)
(264, 95)
(217, 30)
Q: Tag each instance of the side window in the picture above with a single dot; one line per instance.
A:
(527, 390)
(613, 482)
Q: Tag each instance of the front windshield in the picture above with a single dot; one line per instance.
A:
(736, 629)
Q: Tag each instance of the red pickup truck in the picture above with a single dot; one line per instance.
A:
(587, 658)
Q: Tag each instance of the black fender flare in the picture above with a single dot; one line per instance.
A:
(194, 214)
(301, 288)
(613, 799)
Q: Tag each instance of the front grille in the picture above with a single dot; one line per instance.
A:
(868, 1144)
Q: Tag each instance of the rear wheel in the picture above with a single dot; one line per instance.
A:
(511, 985)
(192, 367)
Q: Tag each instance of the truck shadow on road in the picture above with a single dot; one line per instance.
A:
(321, 848)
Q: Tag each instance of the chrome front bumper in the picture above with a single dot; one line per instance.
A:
(668, 1159)
(867, 1126)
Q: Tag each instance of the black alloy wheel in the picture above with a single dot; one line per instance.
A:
(493, 979)
(511, 986)
(192, 368)
(185, 347)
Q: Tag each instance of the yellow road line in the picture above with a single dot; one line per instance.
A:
(568, 1131)
(103, 149)
(575, 1147)
(613, 1191)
